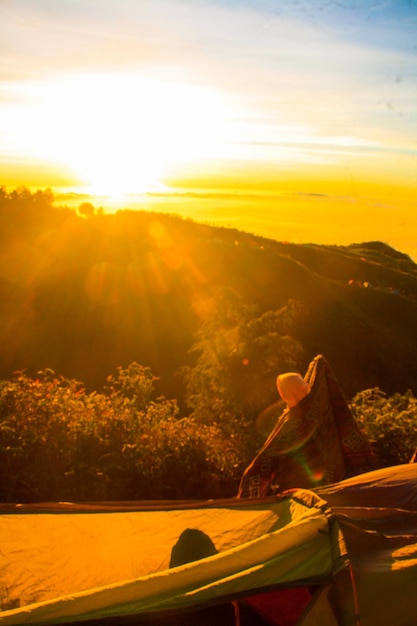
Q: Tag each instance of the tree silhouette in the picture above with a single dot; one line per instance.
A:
(239, 357)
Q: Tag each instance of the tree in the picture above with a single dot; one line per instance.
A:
(239, 357)
(86, 209)
(26, 214)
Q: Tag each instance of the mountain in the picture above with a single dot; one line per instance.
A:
(85, 294)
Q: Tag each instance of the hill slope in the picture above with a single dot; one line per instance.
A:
(83, 296)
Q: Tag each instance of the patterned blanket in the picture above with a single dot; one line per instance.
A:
(314, 443)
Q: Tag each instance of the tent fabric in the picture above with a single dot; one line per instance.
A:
(69, 563)
(314, 443)
(284, 607)
(393, 488)
(377, 513)
(319, 611)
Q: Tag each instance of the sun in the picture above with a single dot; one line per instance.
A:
(123, 133)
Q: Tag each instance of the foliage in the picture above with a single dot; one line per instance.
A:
(24, 212)
(134, 383)
(239, 356)
(58, 442)
(389, 423)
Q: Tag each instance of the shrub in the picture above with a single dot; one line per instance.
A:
(390, 424)
(58, 442)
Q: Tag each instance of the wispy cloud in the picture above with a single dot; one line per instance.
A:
(309, 81)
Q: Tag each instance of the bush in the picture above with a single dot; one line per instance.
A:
(58, 442)
(389, 423)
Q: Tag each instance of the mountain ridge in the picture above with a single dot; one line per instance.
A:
(84, 295)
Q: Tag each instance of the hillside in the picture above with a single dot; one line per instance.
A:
(85, 294)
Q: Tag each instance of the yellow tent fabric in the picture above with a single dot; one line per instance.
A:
(69, 563)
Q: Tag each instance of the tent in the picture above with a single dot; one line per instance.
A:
(347, 552)
(67, 563)
(313, 539)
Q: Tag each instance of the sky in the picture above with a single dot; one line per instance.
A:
(292, 119)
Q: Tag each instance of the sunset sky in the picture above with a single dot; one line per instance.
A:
(292, 119)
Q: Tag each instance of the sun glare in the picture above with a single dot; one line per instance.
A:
(122, 133)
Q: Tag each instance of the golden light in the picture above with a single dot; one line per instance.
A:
(120, 133)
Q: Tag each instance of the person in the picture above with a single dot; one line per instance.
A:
(192, 545)
(316, 440)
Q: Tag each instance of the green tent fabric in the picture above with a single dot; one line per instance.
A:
(313, 443)
(352, 544)
(66, 563)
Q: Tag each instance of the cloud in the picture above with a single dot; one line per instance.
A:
(298, 77)
(42, 39)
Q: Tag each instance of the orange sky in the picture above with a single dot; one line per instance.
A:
(295, 120)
